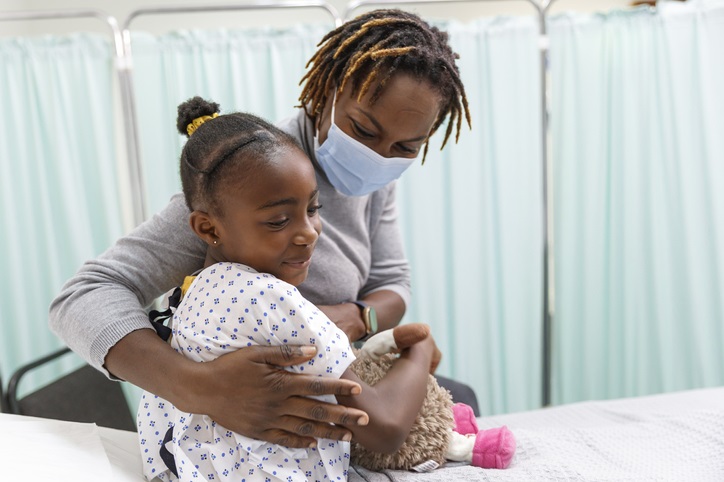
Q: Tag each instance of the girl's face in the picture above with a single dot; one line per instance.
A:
(272, 222)
(396, 125)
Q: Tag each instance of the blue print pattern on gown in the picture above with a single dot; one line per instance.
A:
(227, 307)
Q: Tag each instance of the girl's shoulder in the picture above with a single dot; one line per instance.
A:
(224, 270)
(228, 283)
(225, 273)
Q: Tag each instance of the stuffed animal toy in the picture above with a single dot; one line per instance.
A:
(443, 430)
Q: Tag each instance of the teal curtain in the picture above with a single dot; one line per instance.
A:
(472, 217)
(637, 113)
(253, 70)
(58, 194)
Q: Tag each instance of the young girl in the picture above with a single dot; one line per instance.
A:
(254, 201)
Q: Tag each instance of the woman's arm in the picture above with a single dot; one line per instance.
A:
(389, 420)
(387, 287)
(390, 308)
(106, 299)
(244, 391)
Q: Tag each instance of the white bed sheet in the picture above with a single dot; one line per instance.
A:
(668, 437)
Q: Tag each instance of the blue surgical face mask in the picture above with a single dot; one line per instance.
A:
(353, 168)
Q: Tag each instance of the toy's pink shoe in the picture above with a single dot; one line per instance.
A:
(494, 448)
(465, 422)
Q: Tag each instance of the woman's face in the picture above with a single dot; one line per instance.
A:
(396, 125)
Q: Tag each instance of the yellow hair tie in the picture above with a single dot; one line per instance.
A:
(191, 128)
(186, 285)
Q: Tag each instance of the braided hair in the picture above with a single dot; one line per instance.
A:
(373, 48)
(224, 149)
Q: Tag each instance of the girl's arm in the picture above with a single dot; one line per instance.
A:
(394, 402)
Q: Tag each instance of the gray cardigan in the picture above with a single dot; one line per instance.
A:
(360, 251)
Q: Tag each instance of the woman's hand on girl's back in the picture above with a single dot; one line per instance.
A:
(246, 391)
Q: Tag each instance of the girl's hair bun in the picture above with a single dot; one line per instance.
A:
(194, 108)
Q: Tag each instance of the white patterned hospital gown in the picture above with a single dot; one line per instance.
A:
(227, 307)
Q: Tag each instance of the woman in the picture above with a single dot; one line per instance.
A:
(378, 87)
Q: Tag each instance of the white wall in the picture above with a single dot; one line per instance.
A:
(120, 10)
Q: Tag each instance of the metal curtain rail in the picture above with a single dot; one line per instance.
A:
(259, 5)
(126, 72)
(541, 7)
(138, 196)
(355, 4)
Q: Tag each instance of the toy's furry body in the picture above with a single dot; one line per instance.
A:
(430, 434)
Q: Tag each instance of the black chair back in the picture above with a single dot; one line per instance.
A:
(85, 395)
(3, 398)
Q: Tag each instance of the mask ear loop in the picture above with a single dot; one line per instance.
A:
(331, 116)
(334, 104)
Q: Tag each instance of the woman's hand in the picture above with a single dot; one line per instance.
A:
(245, 391)
(348, 318)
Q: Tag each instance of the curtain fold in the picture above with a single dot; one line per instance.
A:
(639, 176)
(472, 218)
(58, 191)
